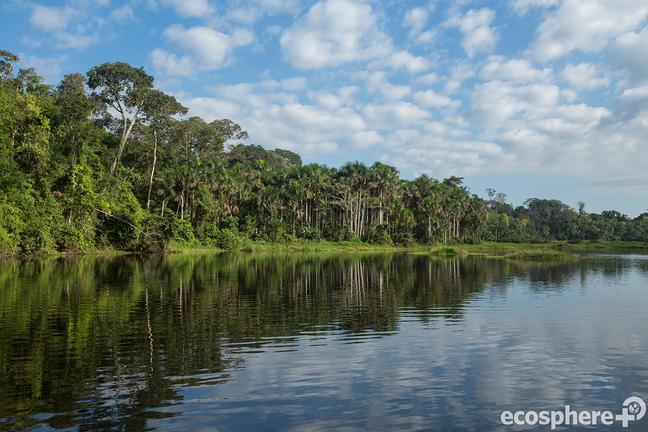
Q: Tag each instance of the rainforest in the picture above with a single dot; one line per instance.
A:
(105, 161)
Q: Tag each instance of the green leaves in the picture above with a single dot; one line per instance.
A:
(120, 85)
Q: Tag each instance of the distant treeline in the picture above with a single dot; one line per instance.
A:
(105, 160)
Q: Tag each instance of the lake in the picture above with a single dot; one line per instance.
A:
(324, 341)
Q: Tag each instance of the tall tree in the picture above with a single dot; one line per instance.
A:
(125, 91)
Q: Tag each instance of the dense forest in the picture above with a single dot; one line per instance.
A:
(105, 160)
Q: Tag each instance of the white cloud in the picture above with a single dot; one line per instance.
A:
(536, 127)
(630, 52)
(496, 103)
(500, 68)
(74, 24)
(58, 23)
(204, 49)
(123, 13)
(251, 11)
(584, 76)
(431, 99)
(395, 113)
(377, 82)
(632, 104)
(459, 73)
(427, 79)
(403, 60)
(479, 35)
(415, 19)
(586, 26)
(343, 97)
(51, 19)
(212, 109)
(276, 118)
(366, 139)
(523, 6)
(191, 8)
(332, 33)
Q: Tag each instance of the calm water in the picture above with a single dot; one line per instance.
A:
(316, 342)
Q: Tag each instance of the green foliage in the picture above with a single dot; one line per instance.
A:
(184, 231)
(69, 238)
(120, 221)
(541, 255)
(117, 168)
(229, 239)
(309, 233)
(157, 233)
(380, 235)
(11, 225)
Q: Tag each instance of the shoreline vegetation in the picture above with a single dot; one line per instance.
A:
(105, 163)
(554, 251)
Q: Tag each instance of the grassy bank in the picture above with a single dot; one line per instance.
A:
(496, 248)
(295, 246)
(541, 255)
(548, 251)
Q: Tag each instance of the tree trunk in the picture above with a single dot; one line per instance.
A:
(182, 204)
(148, 198)
(122, 142)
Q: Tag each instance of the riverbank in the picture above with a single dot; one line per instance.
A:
(548, 250)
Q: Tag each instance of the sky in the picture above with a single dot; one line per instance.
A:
(535, 98)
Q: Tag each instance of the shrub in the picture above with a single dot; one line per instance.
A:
(70, 239)
(404, 239)
(8, 243)
(309, 233)
(184, 231)
(380, 235)
(229, 239)
(157, 232)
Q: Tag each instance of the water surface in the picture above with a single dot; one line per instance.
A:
(316, 342)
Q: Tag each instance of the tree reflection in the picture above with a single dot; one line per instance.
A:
(107, 342)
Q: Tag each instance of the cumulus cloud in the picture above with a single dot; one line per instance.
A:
(276, 117)
(204, 49)
(629, 53)
(586, 26)
(500, 68)
(332, 33)
(377, 82)
(67, 26)
(191, 8)
(50, 19)
(383, 116)
(479, 35)
(432, 99)
(250, 11)
(403, 60)
(523, 6)
(584, 76)
(415, 19)
(341, 82)
(536, 126)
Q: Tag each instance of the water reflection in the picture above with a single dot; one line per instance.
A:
(134, 342)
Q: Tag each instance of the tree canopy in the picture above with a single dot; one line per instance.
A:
(106, 160)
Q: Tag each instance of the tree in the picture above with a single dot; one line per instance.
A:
(126, 90)
(160, 119)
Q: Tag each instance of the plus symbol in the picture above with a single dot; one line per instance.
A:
(624, 417)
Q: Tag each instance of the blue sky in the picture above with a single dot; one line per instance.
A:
(536, 98)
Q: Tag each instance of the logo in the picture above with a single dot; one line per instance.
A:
(633, 409)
